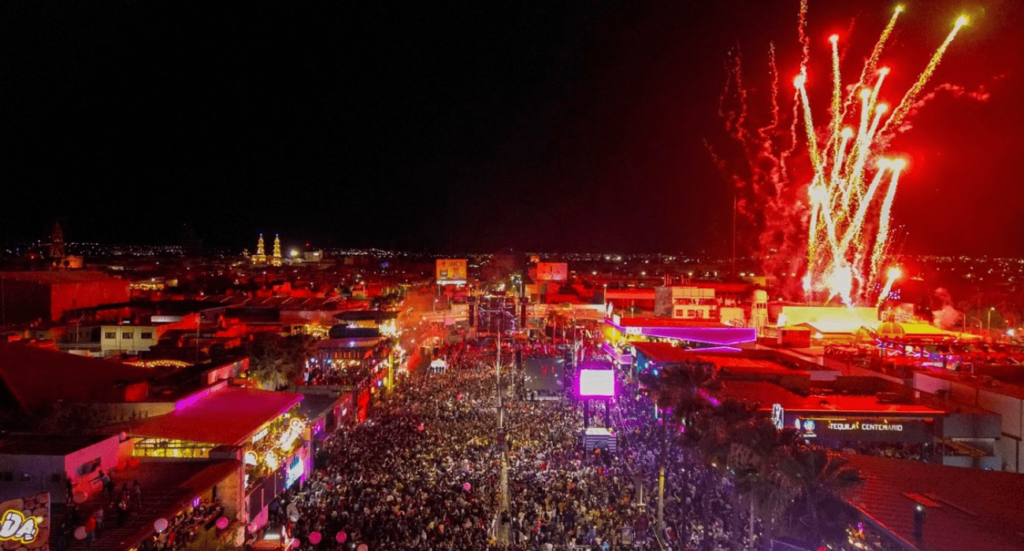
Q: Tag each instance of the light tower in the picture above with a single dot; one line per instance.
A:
(276, 259)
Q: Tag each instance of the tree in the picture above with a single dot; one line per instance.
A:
(275, 362)
(820, 477)
(756, 452)
(679, 389)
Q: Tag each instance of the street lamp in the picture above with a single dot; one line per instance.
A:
(990, 321)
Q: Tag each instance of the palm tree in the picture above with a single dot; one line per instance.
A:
(820, 477)
(680, 389)
(756, 452)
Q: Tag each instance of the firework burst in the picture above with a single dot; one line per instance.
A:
(830, 223)
(853, 187)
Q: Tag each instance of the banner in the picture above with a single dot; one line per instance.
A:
(451, 271)
(25, 523)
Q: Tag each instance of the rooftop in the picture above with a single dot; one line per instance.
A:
(224, 415)
(59, 277)
(767, 394)
(965, 508)
(43, 444)
(38, 377)
(739, 362)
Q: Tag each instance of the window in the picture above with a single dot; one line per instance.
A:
(145, 335)
(127, 335)
(110, 335)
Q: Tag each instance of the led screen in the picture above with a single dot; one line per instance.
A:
(598, 383)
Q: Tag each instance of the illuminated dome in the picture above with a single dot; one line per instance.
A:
(891, 329)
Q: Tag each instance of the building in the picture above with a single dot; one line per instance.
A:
(31, 296)
(260, 257)
(684, 302)
(276, 259)
(127, 339)
(31, 463)
(962, 509)
(261, 431)
(32, 379)
(621, 333)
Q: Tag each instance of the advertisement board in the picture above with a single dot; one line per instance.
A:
(451, 271)
(552, 271)
(25, 523)
(597, 383)
(862, 429)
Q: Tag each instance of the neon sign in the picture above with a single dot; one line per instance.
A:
(260, 435)
(290, 434)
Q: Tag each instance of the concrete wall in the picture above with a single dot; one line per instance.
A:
(32, 474)
(46, 473)
(1011, 410)
(24, 301)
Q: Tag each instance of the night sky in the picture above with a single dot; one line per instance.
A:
(465, 126)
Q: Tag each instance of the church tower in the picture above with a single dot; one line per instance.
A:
(57, 242)
(276, 260)
(261, 256)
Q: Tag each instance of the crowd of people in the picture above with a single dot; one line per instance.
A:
(184, 527)
(90, 520)
(424, 472)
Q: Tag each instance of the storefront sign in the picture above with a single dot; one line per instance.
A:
(25, 522)
(865, 429)
(260, 435)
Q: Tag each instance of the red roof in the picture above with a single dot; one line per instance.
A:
(965, 508)
(768, 394)
(228, 415)
(37, 377)
(62, 277)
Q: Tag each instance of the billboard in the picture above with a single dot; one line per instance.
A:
(25, 523)
(862, 429)
(552, 271)
(451, 271)
(545, 374)
(597, 383)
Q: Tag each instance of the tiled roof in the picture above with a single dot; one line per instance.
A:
(965, 508)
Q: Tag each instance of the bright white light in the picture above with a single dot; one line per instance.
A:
(597, 383)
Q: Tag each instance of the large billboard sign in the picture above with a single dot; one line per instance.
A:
(25, 523)
(552, 271)
(597, 383)
(451, 271)
(862, 429)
